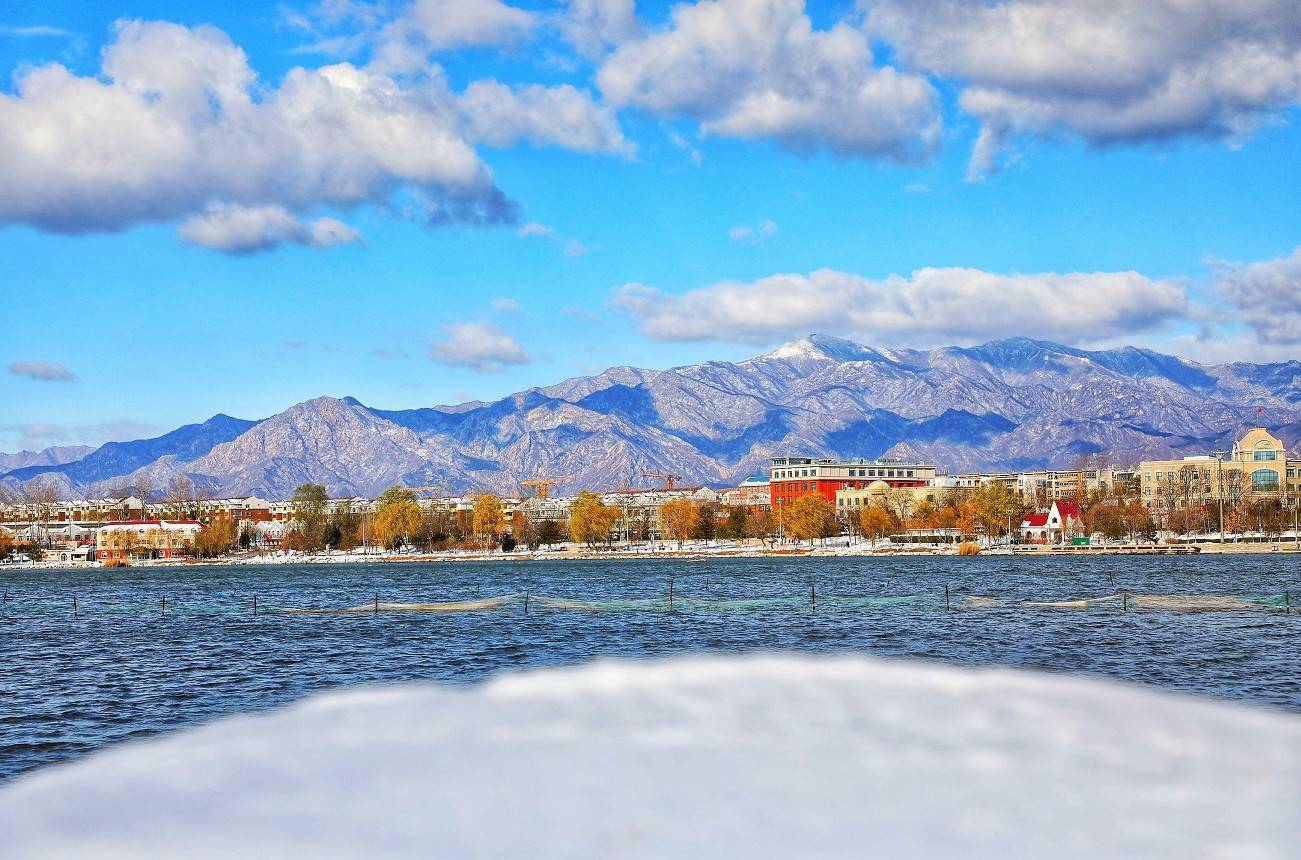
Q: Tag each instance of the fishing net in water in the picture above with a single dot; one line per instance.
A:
(478, 605)
(656, 604)
(804, 602)
(1148, 602)
(901, 600)
(745, 604)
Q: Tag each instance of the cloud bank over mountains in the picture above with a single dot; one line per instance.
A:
(177, 126)
(927, 306)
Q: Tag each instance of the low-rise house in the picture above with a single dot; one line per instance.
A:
(752, 493)
(154, 539)
(1063, 519)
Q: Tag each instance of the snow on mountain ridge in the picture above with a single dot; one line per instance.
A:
(1018, 403)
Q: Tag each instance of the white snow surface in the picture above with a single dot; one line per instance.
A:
(760, 756)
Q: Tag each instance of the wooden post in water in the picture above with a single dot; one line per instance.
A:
(947, 607)
(255, 604)
(377, 603)
(1124, 597)
(813, 596)
(526, 603)
(164, 604)
(1287, 603)
(670, 593)
(74, 605)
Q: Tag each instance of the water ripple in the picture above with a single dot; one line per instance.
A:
(121, 668)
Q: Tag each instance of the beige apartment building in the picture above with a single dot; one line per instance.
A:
(1045, 486)
(1256, 468)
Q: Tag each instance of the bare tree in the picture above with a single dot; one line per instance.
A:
(900, 502)
(39, 499)
(1187, 493)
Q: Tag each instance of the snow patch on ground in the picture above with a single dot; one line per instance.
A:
(777, 756)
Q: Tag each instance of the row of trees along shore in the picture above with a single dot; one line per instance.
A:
(398, 520)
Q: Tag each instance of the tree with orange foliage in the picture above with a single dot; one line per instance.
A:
(812, 517)
(875, 522)
(678, 519)
(489, 519)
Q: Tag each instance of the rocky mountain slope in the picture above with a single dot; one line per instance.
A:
(53, 456)
(1015, 403)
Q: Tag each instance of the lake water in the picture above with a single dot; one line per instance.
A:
(121, 668)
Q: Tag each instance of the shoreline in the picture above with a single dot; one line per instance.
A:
(687, 553)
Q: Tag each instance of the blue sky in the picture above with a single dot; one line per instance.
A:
(658, 190)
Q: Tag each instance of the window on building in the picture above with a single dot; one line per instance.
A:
(1264, 455)
(1264, 481)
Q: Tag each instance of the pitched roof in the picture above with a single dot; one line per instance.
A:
(1069, 509)
(1036, 521)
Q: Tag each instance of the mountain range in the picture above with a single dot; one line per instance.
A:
(1008, 404)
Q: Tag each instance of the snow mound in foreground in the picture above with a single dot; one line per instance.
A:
(700, 757)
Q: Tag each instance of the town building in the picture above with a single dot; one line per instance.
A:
(79, 511)
(154, 539)
(791, 478)
(1256, 468)
(1041, 486)
(1063, 519)
(752, 493)
(881, 494)
(640, 509)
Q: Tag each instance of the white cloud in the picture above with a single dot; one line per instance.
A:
(40, 434)
(506, 305)
(929, 306)
(576, 248)
(1266, 296)
(337, 28)
(404, 45)
(679, 141)
(178, 121)
(581, 313)
(593, 26)
(42, 371)
(571, 247)
(478, 346)
(1225, 347)
(37, 31)
(499, 115)
(756, 69)
(248, 229)
(1111, 71)
(747, 235)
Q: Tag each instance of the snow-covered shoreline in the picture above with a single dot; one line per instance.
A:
(690, 550)
(765, 756)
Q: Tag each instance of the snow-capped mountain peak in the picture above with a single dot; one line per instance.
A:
(823, 347)
(1012, 404)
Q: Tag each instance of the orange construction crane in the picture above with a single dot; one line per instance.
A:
(669, 480)
(543, 485)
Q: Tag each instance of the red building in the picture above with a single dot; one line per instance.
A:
(793, 477)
